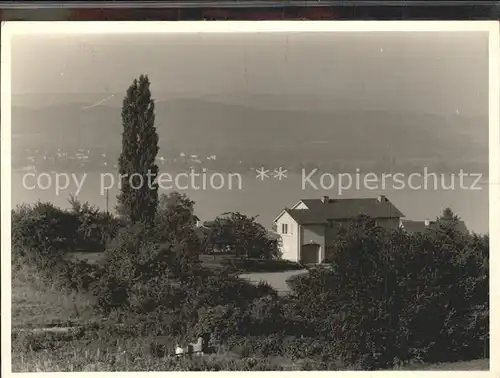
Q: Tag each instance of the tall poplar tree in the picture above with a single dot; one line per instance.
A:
(138, 198)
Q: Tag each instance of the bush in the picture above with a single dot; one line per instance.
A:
(311, 307)
(79, 276)
(126, 262)
(174, 230)
(243, 236)
(389, 296)
(140, 270)
(158, 293)
(175, 213)
(261, 265)
(42, 234)
(95, 228)
(221, 323)
(267, 346)
(450, 312)
(221, 306)
(266, 315)
(309, 347)
(182, 254)
(213, 290)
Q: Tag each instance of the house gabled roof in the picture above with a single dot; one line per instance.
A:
(305, 216)
(319, 212)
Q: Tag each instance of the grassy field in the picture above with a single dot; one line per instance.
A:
(38, 304)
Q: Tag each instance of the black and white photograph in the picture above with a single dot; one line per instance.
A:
(207, 196)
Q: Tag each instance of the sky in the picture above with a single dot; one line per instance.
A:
(432, 72)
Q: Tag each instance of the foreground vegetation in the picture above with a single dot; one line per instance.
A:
(92, 351)
(386, 300)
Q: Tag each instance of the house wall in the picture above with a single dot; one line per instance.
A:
(314, 234)
(290, 242)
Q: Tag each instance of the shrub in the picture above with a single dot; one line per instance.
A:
(266, 316)
(79, 276)
(213, 290)
(243, 236)
(181, 254)
(221, 322)
(157, 293)
(42, 234)
(317, 348)
(174, 214)
(389, 296)
(261, 265)
(450, 312)
(124, 266)
(312, 306)
(160, 322)
(95, 228)
(267, 346)
(141, 270)
(174, 230)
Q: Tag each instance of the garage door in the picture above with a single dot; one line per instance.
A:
(310, 254)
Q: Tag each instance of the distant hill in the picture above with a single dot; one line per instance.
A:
(277, 133)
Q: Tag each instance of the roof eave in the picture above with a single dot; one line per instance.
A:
(311, 223)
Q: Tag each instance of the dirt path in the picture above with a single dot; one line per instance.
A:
(277, 280)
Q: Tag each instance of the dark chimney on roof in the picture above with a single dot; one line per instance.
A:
(382, 199)
(325, 199)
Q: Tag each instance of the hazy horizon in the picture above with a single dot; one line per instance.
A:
(433, 72)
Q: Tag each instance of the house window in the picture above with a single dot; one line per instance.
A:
(284, 229)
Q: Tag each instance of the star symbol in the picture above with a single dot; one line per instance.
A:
(262, 173)
(280, 173)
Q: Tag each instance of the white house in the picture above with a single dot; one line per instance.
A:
(308, 228)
